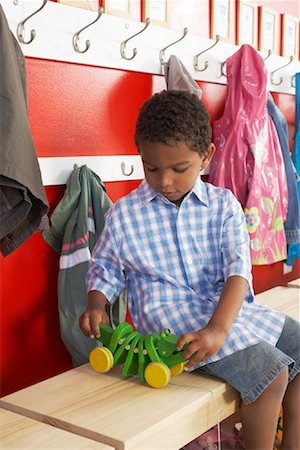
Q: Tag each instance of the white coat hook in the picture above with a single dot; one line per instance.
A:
(123, 169)
(21, 26)
(134, 51)
(162, 51)
(268, 55)
(196, 57)
(76, 39)
(276, 70)
(223, 66)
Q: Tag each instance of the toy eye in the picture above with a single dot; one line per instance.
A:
(165, 333)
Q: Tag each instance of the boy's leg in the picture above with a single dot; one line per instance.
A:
(291, 416)
(289, 343)
(260, 417)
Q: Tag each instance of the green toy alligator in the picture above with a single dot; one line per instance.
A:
(154, 358)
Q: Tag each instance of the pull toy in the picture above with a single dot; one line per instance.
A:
(154, 358)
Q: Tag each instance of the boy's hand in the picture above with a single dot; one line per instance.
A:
(202, 344)
(90, 320)
(94, 315)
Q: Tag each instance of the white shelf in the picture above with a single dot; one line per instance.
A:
(56, 171)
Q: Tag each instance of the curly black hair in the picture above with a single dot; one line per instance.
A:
(170, 116)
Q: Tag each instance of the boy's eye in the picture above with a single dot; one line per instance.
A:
(180, 170)
(151, 169)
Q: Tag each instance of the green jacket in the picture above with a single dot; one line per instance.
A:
(75, 226)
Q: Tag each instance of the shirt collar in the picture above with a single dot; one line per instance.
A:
(199, 190)
(147, 193)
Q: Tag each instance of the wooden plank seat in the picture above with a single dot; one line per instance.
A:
(294, 283)
(128, 414)
(283, 299)
(21, 432)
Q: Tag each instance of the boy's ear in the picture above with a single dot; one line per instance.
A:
(208, 155)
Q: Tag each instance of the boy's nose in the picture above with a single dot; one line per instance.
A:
(165, 180)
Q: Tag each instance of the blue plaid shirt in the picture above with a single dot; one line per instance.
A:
(175, 261)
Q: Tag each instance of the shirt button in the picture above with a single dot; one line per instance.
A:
(189, 261)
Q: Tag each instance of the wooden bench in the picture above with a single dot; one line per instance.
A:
(127, 414)
(283, 299)
(21, 432)
(294, 283)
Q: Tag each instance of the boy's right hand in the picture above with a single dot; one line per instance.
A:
(94, 315)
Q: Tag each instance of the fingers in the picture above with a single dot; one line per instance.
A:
(89, 322)
(197, 357)
(85, 326)
(183, 340)
(94, 324)
(197, 348)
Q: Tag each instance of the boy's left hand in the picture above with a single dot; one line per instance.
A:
(202, 344)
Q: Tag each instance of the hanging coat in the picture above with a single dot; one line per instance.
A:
(178, 78)
(292, 223)
(248, 159)
(23, 202)
(294, 248)
(75, 225)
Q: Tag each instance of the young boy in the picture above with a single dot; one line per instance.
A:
(181, 247)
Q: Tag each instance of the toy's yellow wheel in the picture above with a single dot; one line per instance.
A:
(157, 374)
(177, 369)
(101, 359)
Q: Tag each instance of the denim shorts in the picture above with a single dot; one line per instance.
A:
(252, 369)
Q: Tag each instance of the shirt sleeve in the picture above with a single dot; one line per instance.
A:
(105, 272)
(235, 242)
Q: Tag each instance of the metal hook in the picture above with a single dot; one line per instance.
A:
(126, 174)
(76, 39)
(268, 55)
(223, 65)
(279, 68)
(21, 27)
(162, 51)
(123, 44)
(196, 67)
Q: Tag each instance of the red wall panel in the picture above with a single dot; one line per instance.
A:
(31, 348)
(82, 110)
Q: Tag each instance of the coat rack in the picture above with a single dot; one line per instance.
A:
(113, 42)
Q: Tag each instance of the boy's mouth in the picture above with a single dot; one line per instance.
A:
(171, 196)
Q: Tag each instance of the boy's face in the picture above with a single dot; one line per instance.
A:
(172, 169)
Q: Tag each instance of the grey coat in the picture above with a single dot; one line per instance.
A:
(23, 202)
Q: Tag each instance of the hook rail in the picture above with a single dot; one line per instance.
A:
(21, 26)
(162, 51)
(55, 26)
(134, 51)
(76, 39)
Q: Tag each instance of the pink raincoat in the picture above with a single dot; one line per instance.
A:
(248, 159)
